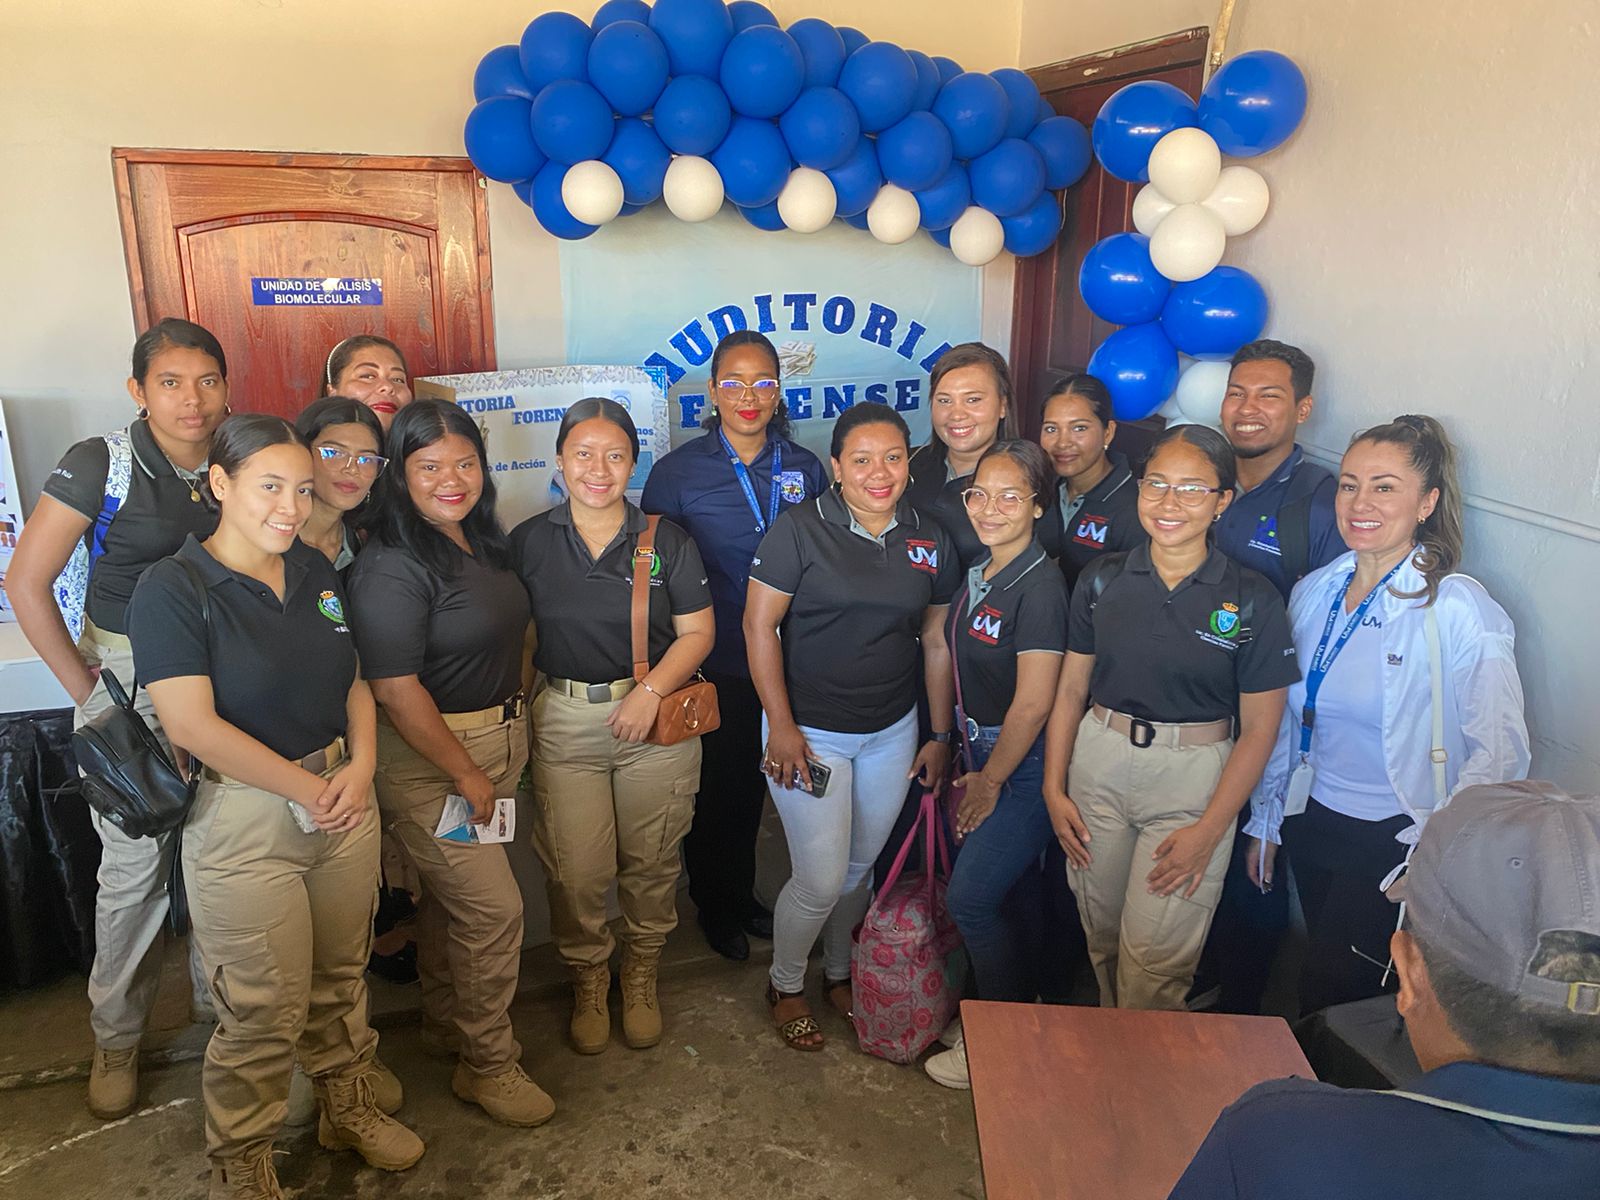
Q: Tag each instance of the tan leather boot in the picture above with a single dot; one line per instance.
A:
(387, 1092)
(641, 1014)
(248, 1176)
(352, 1120)
(113, 1082)
(591, 1019)
(510, 1097)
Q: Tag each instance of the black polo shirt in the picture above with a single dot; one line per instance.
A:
(461, 635)
(1183, 655)
(583, 606)
(1104, 520)
(852, 636)
(935, 493)
(158, 514)
(1022, 610)
(280, 670)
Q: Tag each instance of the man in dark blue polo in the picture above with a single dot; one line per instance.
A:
(1499, 969)
(1281, 523)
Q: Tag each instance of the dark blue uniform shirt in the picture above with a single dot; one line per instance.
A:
(1248, 531)
(1293, 1139)
(696, 489)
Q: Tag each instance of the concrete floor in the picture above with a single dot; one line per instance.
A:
(719, 1109)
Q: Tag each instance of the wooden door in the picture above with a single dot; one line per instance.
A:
(1053, 331)
(283, 255)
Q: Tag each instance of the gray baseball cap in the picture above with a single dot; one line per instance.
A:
(1497, 870)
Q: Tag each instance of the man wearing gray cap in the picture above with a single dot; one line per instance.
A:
(1499, 965)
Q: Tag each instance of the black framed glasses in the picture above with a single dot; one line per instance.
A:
(342, 460)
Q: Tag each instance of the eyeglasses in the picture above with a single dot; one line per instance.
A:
(1009, 504)
(343, 460)
(735, 387)
(1190, 495)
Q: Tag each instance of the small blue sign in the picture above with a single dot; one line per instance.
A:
(274, 291)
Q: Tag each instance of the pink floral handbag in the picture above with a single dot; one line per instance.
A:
(908, 961)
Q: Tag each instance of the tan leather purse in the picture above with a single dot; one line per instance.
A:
(692, 709)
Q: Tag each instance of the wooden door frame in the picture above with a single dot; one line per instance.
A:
(1183, 49)
(123, 160)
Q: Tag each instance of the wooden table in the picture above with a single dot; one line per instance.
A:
(1107, 1104)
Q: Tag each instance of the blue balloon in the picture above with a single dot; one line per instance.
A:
(639, 159)
(621, 10)
(500, 140)
(1140, 368)
(696, 32)
(975, 110)
(572, 122)
(499, 73)
(822, 48)
(942, 236)
(628, 210)
(881, 81)
(1064, 145)
(765, 216)
(1045, 112)
(1253, 103)
(1119, 283)
(1214, 315)
(524, 190)
(854, 39)
(753, 162)
(692, 116)
(915, 152)
(949, 68)
(821, 128)
(928, 81)
(551, 210)
(1133, 120)
(762, 71)
(1036, 228)
(946, 200)
(856, 181)
(1008, 178)
(555, 45)
(858, 220)
(1024, 96)
(628, 66)
(747, 14)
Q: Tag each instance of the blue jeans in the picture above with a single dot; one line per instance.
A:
(991, 860)
(833, 840)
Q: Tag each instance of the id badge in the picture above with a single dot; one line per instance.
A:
(1294, 802)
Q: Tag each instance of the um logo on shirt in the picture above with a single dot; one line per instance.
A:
(985, 625)
(924, 555)
(1092, 531)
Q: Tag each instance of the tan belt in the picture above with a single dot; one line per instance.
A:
(317, 762)
(105, 638)
(485, 718)
(594, 693)
(1142, 733)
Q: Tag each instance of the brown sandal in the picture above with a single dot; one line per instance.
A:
(831, 988)
(796, 1028)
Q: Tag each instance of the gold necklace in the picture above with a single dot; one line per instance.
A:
(191, 481)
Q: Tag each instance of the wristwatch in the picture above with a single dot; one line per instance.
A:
(942, 738)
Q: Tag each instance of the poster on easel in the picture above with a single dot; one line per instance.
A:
(10, 513)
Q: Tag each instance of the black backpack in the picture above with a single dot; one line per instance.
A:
(1294, 520)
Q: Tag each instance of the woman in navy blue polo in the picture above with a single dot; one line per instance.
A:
(1097, 498)
(725, 489)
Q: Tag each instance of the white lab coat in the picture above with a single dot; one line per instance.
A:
(1485, 736)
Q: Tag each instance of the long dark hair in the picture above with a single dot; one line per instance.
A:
(395, 519)
(972, 354)
(175, 332)
(1210, 443)
(1442, 535)
(1087, 388)
(605, 409)
(242, 435)
(1033, 462)
(337, 410)
(747, 337)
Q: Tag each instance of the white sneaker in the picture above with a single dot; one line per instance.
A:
(951, 1037)
(950, 1069)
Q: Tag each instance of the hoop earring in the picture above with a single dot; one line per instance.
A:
(144, 414)
(227, 409)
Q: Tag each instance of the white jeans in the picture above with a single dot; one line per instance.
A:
(833, 841)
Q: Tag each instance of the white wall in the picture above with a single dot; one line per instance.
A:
(1432, 242)
(355, 76)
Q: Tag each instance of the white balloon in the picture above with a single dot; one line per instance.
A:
(1149, 206)
(1239, 199)
(977, 237)
(1188, 243)
(1184, 165)
(1172, 414)
(1201, 388)
(592, 192)
(808, 201)
(893, 215)
(692, 188)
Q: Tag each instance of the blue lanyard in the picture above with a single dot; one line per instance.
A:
(763, 519)
(1322, 659)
